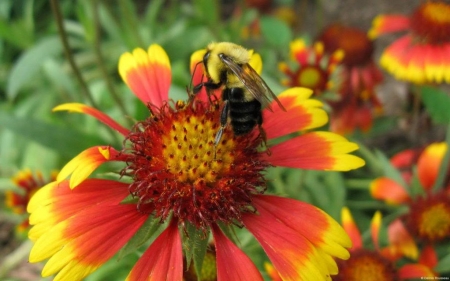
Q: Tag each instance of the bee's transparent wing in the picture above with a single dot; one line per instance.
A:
(253, 82)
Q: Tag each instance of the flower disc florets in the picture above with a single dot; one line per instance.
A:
(176, 168)
(431, 22)
(366, 265)
(429, 218)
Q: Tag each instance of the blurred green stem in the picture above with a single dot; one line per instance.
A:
(14, 258)
(372, 162)
(443, 169)
(130, 20)
(100, 61)
(63, 35)
(361, 184)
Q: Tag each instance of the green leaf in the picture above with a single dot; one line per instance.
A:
(443, 265)
(144, 234)
(30, 63)
(437, 104)
(208, 11)
(275, 31)
(62, 139)
(195, 247)
(389, 170)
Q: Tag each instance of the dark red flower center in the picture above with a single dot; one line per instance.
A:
(366, 265)
(177, 169)
(357, 47)
(431, 22)
(429, 217)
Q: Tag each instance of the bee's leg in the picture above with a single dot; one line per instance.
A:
(223, 124)
(262, 133)
(208, 85)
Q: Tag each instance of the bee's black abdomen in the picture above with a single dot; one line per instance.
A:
(244, 114)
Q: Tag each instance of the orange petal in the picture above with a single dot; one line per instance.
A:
(85, 163)
(350, 227)
(299, 250)
(429, 163)
(410, 271)
(81, 108)
(163, 260)
(315, 151)
(388, 23)
(148, 74)
(405, 158)
(232, 262)
(388, 190)
(302, 113)
(428, 257)
(401, 240)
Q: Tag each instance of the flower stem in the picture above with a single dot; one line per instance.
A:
(13, 259)
(63, 35)
(100, 61)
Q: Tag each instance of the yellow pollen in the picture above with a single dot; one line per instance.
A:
(189, 152)
(439, 12)
(435, 222)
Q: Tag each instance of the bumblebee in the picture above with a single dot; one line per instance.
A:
(244, 92)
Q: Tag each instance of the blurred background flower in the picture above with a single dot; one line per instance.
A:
(358, 103)
(422, 55)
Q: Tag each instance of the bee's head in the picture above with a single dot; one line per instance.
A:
(214, 66)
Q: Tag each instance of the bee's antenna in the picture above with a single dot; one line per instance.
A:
(193, 73)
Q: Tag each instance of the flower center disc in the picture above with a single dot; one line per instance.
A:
(189, 151)
(177, 169)
(429, 218)
(366, 265)
(431, 22)
(312, 77)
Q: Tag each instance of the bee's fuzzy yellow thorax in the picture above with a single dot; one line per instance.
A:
(239, 55)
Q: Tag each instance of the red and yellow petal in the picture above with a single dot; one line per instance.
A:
(79, 230)
(298, 250)
(388, 190)
(375, 225)
(163, 260)
(147, 73)
(232, 262)
(401, 241)
(388, 23)
(429, 163)
(315, 151)
(351, 228)
(85, 163)
(82, 243)
(294, 255)
(299, 51)
(302, 113)
(56, 202)
(198, 73)
(417, 63)
(272, 272)
(82, 108)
